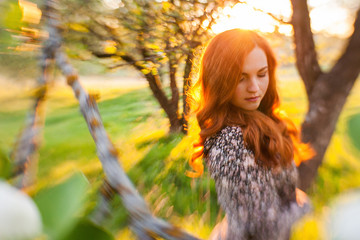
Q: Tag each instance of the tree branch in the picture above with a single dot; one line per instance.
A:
(144, 223)
(280, 20)
(306, 58)
(348, 65)
(25, 151)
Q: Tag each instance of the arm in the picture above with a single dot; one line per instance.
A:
(245, 189)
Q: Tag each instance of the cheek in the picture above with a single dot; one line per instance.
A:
(237, 93)
(239, 90)
(265, 84)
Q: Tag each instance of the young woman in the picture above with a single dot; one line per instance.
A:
(248, 146)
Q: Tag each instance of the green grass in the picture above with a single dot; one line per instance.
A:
(156, 162)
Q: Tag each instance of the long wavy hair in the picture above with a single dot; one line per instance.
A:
(271, 136)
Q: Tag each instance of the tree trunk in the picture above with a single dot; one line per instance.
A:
(326, 92)
(186, 87)
(171, 110)
(306, 57)
(174, 102)
(320, 122)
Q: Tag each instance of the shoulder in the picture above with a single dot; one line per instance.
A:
(227, 137)
(226, 154)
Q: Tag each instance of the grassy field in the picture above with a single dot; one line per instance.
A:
(156, 161)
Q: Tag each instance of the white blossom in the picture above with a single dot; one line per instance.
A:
(19, 216)
(344, 217)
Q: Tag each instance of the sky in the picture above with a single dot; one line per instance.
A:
(330, 16)
(334, 17)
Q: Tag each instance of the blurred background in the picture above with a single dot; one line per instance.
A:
(119, 49)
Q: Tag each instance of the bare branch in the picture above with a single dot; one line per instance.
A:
(307, 63)
(278, 19)
(350, 55)
(25, 154)
(144, 223)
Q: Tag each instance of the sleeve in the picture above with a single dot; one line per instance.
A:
(245, 190)
(286, 185)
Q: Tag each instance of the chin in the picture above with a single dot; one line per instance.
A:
(248, 109)
(251, 108)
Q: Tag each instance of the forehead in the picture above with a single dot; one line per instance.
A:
(255, 61)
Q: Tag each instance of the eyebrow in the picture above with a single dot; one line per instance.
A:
(260, 70)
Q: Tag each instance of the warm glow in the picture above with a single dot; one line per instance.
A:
(245, 16)
(334, 20)
(326, 16)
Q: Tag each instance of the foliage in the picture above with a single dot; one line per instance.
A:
(157, 38)
(10, 19)
(13, 62)
(354, 130)
(60, 206)
(5, 165)
(157, 162)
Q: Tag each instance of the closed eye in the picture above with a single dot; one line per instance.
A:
(243, 78)
(263, 74)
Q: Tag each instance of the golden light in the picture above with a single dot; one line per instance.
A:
(334, 20)
(326, 16)
(246, 16)
(30, 12)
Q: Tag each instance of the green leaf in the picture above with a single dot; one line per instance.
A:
(59, 205)
(12, 16)
(354, 129)
(5, 165)
(85, 230)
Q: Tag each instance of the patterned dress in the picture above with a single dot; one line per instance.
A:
(260, 203)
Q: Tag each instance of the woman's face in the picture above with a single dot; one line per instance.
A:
(254, 81)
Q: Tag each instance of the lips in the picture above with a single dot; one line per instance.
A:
(252, 99)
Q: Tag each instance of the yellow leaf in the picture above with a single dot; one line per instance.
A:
(152, 46)
(154, 71)
(78, 27)
(109, 46)
(145, 71)
(166, 6)
(172, 39)
(30, 12)
(110, 49)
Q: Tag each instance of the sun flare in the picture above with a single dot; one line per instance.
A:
(246, 16)
(326, 16)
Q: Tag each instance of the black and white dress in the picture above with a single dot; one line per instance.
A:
(260, 203)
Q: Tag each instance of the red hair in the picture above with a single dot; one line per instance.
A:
(273, 138)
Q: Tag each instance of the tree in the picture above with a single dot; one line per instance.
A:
(158, 39)
(326, 91)
(178, 27)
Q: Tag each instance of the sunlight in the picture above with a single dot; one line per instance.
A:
(326, 16)
(334, 20)
(245, 16)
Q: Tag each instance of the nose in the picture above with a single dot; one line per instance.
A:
(253, 85)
